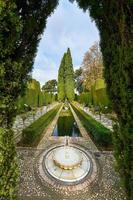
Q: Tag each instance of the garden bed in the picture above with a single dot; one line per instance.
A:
(98, 133)
(34, 133)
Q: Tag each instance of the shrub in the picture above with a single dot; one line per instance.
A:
(100, 134)
(33, 133)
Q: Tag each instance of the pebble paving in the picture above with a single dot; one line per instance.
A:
(105, 187)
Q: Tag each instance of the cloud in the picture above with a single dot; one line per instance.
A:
(70, 27)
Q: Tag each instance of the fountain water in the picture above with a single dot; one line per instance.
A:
(67, 163)
(67, 157)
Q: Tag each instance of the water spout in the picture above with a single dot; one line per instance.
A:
(67, 141)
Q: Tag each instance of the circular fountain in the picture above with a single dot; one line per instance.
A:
(67, 158)
(67, 163)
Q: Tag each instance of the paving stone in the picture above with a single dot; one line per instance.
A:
(106, 187)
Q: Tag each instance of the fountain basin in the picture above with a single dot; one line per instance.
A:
(67, 158)
(67, 163)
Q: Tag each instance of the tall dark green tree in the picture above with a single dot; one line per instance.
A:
(21, 26)
(69, 77)
(114, 20)
(66, 78)
(61, 80)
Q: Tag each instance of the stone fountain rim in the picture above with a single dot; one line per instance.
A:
(87, 181)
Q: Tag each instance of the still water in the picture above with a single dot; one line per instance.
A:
(66, 125)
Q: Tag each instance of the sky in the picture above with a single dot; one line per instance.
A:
(67, 27)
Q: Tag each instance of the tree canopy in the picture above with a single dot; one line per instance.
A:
(114, 20)
(21, 26)
(92, 66)
(50, 86)
(66, 78)
(78, 80)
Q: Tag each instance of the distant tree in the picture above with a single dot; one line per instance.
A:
(69, 77)
(92, 66)
(66, 78)
(21, 26)
(78, 80)
(61, 80)
(50, 86)
(114, 20)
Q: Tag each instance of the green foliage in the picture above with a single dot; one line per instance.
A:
(8, 165)
(61, 80)
(99, 84)
(100, 134)
(33, 133)
(48, 98)
(78, 80)
(34, 97)
(114, 21)
(34, 84)
(99, 93)
(85, 98)
(10, 83)
(50, 86)
(21, 26)
(97, 96)
(66, 78)
(69, 77)
(102, 98)
(65, 123)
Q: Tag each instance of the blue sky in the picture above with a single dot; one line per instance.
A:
(67, 27)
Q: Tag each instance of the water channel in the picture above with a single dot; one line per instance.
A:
(66, 125)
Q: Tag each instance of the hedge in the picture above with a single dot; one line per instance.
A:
(33, 133)
(100, 134)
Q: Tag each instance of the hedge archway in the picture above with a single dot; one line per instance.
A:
(22, 23)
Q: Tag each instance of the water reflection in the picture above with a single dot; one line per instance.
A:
(66, 125)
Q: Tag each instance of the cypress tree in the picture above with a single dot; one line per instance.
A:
(69, 77)
(66, 78)
(21, 26)
(114, 20)
(61, 80)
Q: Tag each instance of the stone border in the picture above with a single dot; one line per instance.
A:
(44, 177)
(48, 132)
(83, 130)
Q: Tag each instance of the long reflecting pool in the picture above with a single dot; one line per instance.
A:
(66, 125)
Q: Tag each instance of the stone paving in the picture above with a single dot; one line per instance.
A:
(105, 187)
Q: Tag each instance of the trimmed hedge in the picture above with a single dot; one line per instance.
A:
(85, 98)
(34, 97)
(100, 134)
(33, 133)
(99, 94)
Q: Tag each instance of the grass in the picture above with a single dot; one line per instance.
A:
(34, 133)
(101, 136)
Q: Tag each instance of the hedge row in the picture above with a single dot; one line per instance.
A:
(100, 134)
(97, 95)
(34, 97)
(33, 133)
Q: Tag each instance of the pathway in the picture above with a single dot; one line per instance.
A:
(107, 186)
